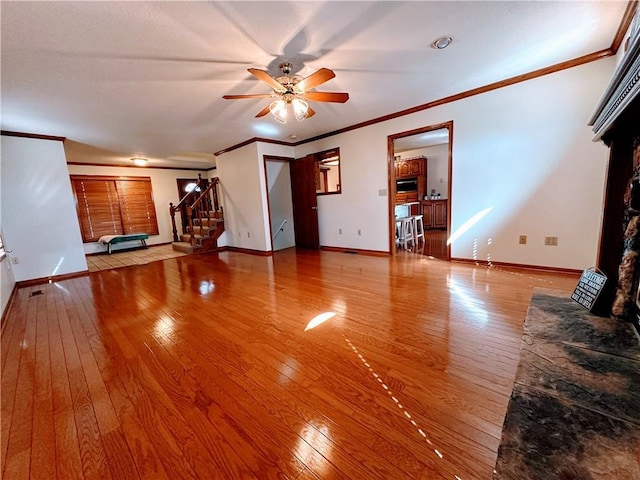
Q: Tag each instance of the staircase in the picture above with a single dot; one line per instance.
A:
(205, 219)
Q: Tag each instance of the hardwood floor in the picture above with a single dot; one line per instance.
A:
(201, 367)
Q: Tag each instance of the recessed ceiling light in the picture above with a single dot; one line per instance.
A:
(442, 42)
(140, 162)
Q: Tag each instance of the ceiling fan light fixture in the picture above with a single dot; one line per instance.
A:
(278, 109)
(441, 43)
(300, 109)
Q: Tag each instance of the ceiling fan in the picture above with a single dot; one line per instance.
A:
(293, 90)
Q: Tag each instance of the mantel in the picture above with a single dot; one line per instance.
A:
(623, 88)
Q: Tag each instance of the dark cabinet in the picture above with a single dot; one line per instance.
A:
(434, 214)
(415, 168)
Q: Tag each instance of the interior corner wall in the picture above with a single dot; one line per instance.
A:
(39, 218)
(274, 150)
(524, 163)
(163, 186)
(243, 197)
(7, 279)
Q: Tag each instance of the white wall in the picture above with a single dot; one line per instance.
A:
(280, 204)
(241, 175)
(39, 218)
(165, 190)
(244, 194)
(437, 166)
(523, 155)
(7, 279)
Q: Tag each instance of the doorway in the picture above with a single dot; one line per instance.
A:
(279, 203)
(420, 168)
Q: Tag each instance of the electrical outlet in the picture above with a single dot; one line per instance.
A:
(339, 231)
(359, 232)
(522, 240)
(15, 260)
(551, 241)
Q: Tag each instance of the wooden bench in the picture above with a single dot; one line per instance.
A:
(109, 240)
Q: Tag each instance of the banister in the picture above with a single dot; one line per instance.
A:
(186, 195)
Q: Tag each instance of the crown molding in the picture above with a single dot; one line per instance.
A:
(7, 133)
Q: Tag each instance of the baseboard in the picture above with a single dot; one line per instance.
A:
(357, 251)
(261, 253)
(520, 266)
(5, 314)
(54, 278)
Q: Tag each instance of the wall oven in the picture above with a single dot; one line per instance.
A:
(407, 185)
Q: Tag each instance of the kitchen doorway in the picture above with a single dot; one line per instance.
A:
(420, 168)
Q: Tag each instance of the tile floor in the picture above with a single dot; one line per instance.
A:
(104, 261)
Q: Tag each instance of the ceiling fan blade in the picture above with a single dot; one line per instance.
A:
(310, 112)
(236, 97)
(264, 76)
(336, 97)
(315, 79)
(263, 112)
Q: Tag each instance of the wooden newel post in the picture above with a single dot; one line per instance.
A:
(172, 212)
(190, 219)
(216, 206)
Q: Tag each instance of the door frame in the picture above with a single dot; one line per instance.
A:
(392, 179)
(265, 159)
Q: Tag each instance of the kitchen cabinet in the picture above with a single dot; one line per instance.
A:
(434, 214)
(411, 168)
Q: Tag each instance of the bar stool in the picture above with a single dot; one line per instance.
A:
(404, 231)
(417, 227)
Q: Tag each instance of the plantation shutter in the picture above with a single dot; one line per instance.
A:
(114, 206)
(98, 210)
(137, 209)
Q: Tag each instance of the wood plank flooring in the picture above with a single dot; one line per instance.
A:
(201, 367)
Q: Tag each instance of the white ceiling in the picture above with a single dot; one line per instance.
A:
(124, 79)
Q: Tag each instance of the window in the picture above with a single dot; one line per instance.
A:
(114, 206)
(328, 172)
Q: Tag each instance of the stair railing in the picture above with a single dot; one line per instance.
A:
(206, 202)
(174, 208)
(280, 229)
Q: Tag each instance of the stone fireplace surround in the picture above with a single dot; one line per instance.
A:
(616, 122)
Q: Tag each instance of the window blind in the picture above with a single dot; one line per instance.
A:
(114, 206)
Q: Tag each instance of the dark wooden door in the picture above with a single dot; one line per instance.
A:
(182, 191)
(305, 202)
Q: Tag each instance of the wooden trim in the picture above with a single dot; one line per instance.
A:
(109, 177)
(360, 251)
(591, 57)
(5, 314)
(261, 253)
(252, 140)
(627, 18)
(54, 278)
(109, 165)
(38, 136)
(575, 62)
(392, 179)
(520, 266)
